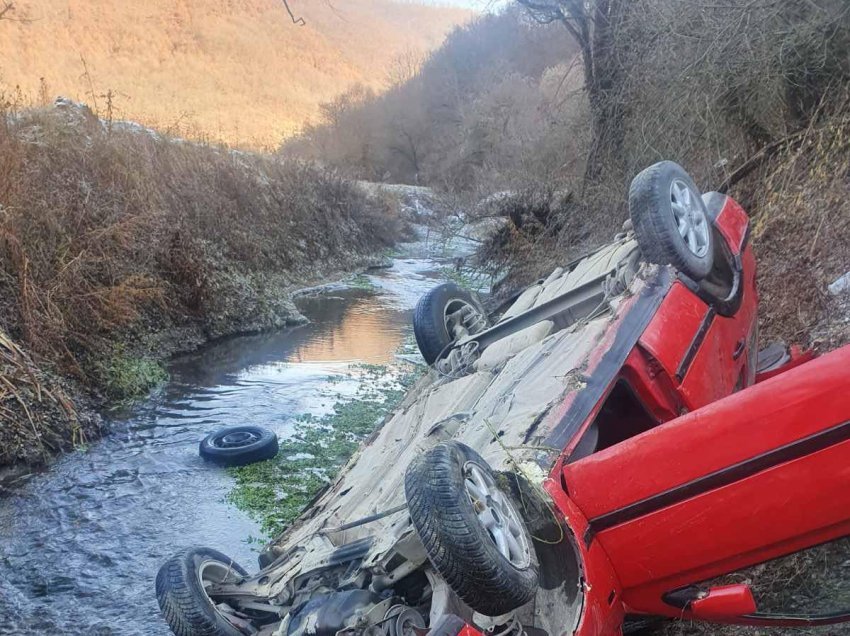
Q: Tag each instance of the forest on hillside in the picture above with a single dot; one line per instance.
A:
(561, 103)
(242, 73)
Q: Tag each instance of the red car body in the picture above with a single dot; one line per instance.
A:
(722, 472)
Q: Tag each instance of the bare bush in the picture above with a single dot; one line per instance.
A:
(109, 234)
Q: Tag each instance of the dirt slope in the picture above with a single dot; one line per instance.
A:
(237, 70)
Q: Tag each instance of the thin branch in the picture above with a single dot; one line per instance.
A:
(7, 8)
(299, 20)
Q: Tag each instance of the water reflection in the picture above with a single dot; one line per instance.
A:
(363, 332)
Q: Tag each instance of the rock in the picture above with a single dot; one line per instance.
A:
(492, 204)
(485, 229)
(840, 285)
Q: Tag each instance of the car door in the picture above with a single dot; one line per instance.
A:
(751, 477)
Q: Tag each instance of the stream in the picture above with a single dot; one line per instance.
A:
(83, 540)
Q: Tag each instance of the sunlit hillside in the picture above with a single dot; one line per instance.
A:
(234, 70)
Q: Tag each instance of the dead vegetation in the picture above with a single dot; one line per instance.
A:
(235, 72)
(802, 235)
(119, 245)
(37, 416)
(749, 94)
(489, 106)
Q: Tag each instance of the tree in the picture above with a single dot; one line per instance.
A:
(404, 67)
(594, 24)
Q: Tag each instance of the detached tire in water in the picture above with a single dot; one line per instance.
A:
(472, 532)
(181, 592)
(443, 315)
(239, 445)
(671, 221)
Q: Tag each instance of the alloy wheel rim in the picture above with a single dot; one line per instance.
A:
(690, 219)
(212, 573)
(497, 515)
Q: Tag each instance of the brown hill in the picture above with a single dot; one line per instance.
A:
(237, 71)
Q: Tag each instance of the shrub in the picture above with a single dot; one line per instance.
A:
(110, 233)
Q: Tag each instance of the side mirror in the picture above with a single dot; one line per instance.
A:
(726, 601)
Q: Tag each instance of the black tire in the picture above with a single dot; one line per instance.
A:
(429, 322)
(651, 211)
(459, 547)
(239, 445)
(184, 604)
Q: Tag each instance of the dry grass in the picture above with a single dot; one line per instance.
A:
(811, 581)
(238, 72)
(37, 417)
(111, 237)
(802, 236)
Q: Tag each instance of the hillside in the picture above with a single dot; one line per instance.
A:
(505, 106)
(237, 71)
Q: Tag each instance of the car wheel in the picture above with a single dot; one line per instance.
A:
(472, 531)
(442, 316)
(671, 221)
(239, 445)
(181, 590)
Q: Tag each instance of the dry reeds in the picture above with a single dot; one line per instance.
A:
(111, 233)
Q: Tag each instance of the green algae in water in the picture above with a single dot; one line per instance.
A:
(361, 281)
(274, 492)
(126, 377)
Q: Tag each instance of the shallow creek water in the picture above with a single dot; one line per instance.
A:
(80, 543)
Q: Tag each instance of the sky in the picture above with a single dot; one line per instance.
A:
(478, 5)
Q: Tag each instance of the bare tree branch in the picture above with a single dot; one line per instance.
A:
(299, 20)
(6, 12)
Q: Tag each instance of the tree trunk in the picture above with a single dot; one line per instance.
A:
(607, 105)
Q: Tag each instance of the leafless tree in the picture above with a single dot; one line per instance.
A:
(6, 8)
(594, 25)
(404, 67)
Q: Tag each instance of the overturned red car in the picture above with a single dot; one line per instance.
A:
(600, 451)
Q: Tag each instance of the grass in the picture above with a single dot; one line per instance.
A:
(361, 281)
(274, 492)
(126, 377)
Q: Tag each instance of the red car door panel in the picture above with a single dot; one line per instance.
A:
(790, 505)
(672, 330)
(733, 223)
(720, 362)
(756, 475)
(712, 372)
